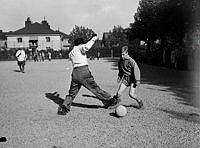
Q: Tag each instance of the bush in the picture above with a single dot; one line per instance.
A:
(7, 54)
(137, 52)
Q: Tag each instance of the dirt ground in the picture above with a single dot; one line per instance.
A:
(28, 109)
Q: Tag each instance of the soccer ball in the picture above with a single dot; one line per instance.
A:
(121, 111)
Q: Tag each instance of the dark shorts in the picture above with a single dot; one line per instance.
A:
(21, 63)
(127, 80)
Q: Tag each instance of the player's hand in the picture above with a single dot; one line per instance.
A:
(94, 35)
(138, 82)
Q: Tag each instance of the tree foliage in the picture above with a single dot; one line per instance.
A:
(117, 37)
(80, 31)
(162, 19)
(164, 25)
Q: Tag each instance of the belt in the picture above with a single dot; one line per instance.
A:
(80, 66)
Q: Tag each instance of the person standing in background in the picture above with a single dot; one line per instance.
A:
(21, 58)
(49, 55)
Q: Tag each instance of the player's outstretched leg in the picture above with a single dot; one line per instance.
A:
(108, 101)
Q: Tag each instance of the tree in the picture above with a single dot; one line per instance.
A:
(157, 19)
(117, 37)
(82, 32)
(164, 20)
(146, 23)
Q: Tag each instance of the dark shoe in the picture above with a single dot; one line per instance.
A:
(63, 110)
(105, 103)
(3, 139)
(140, 104)
(112, 103)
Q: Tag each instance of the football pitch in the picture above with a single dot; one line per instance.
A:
(28, 108)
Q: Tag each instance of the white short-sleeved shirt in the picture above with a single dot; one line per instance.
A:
(21, 56)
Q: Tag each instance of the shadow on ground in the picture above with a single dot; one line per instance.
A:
(55, 97)
(191, 117)
(180, 83)
(16, 70)
(113, 114)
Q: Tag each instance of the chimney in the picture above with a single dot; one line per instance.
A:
(28, 22)
(45, 24)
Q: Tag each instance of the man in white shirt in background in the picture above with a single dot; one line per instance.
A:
(81, 76)
(21, 57)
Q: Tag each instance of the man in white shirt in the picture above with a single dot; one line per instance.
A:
(81, 76)
(21, 57)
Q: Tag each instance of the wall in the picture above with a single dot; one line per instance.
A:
(12, 42)
(54, 43)
(2, 43)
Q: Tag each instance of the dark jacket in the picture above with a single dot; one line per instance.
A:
(128, 67)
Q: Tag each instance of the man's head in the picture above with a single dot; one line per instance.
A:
(78, 41)
(124, 52)
(20, 47)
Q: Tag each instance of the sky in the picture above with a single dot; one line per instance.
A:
(98, 15)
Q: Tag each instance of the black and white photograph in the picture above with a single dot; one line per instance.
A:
(99, 73)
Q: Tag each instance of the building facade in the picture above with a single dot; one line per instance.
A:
(37, 36)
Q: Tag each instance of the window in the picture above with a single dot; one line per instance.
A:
(19, 40)
(47, 39)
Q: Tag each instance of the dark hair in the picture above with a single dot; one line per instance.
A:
(78, 41)
(124, 49)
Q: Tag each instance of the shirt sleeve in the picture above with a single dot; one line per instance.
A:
(17, 53)
(136, 69)
(88, 45)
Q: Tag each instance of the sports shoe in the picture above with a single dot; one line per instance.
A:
(3, 139)
(63, 110)
(112, 103)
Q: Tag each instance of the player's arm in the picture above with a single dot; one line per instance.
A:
(136, 71)
(120, 73)
(18, 53)
(24, 55)
(89, 44)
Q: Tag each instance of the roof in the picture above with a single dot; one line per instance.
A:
(65, 36)
(34, 28)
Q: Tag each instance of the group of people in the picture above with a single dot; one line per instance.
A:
(128, 76)
(21, 57)
(40, 55)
